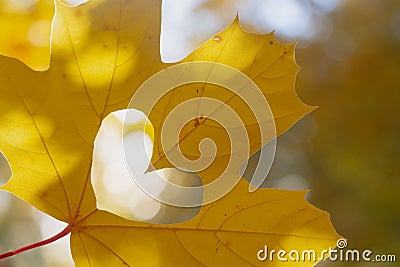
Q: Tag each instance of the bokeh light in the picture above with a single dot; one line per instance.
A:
(38, 32)
(289, 17)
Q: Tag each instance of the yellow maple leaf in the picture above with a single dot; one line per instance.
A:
(221, 235)
(26, 30)
(269, 63)
(102, 52)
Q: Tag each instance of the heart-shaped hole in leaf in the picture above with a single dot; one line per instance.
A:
(115, 189)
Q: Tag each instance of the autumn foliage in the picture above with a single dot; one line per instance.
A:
(101, 52)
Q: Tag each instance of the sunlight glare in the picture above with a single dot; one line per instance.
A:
(287, 17)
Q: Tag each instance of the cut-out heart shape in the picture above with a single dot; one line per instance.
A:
(115, 189)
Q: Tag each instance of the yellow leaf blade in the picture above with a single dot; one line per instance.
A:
(25, 31)
(222, 234)
(50, 119)
(102, 52)
(268, 62)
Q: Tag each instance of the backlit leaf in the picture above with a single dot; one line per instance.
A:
(221, 235)
(26, 28)
(102, 51)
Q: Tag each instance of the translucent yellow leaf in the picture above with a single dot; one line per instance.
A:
(25, 31)
(102, 51)
(268, 62)
(49, 119)
(221, 235)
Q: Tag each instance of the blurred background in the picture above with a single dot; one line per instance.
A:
(346, 152)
